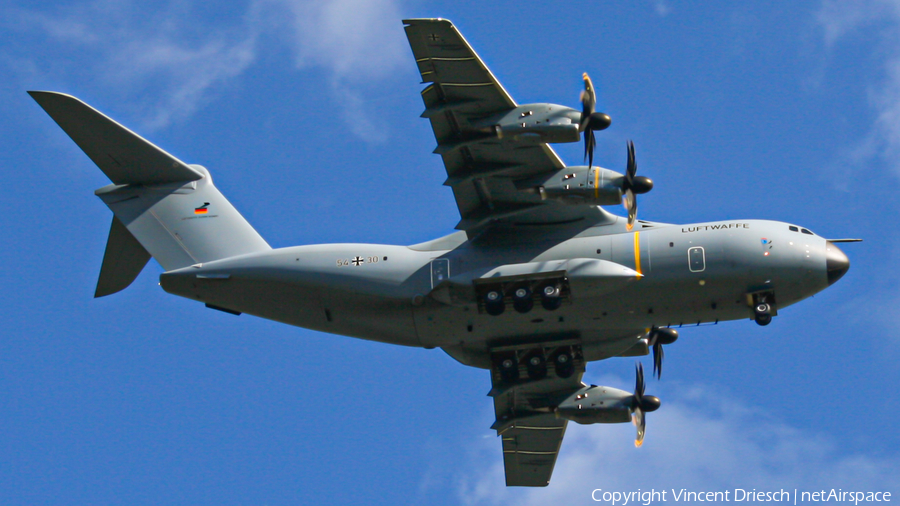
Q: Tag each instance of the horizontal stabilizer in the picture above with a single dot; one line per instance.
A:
(124, 156)
(123, 261)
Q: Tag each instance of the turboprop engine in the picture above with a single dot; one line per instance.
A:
(599, 404)
(540, 123)
(579, 186)
(593, 186)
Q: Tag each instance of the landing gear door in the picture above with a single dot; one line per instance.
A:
(440, 270)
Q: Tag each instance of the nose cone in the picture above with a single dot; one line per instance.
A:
(836, 262)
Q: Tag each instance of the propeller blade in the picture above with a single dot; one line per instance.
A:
(641, 423)
(588, 102)
(641, 404)
(658, 337)
(629, 186)
(658, 355)
(589, 143)
(629, 201)
(638, 411)
(632, 212)
(631, 169)
(639, 383)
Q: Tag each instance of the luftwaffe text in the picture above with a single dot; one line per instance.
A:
(718, 226)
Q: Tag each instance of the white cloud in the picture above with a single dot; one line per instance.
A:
(173, 63)
(840, 18)
(191, 72)
(155, 54)
(662, 8)
(355, 49)
(353, 39)
(700, 441)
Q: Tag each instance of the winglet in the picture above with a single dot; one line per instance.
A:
(124, 156)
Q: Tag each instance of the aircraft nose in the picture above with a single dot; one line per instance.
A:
(836, 262)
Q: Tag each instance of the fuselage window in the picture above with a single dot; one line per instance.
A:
(696, 259)
(794, 229)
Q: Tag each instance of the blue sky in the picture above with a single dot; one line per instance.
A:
(307, 115)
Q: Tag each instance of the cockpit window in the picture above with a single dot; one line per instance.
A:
(807, 232)
(794, 229)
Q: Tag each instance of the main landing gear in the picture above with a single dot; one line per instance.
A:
(493, 297)
(537, 362)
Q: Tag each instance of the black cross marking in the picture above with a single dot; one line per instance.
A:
(357, 261)
(433, 37)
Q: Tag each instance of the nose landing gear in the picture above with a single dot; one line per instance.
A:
(762, 314)
(763, 304)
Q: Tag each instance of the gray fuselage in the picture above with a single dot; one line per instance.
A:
(691, 274)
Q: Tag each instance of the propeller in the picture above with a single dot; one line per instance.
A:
(633, 185)
(641, 404)
(657, 338)
(590, 120)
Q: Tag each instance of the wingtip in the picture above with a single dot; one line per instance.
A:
(37, 95)
(413, 21)
(46, 92)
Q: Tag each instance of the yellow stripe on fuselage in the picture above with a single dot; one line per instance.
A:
(597, 183)
(637, 253)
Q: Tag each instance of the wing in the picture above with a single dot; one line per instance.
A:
(530, 432)
(482, 168)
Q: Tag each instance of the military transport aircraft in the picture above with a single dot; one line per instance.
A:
(537, 281)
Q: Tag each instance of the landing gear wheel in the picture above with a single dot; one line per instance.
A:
(762, 314)
(537, 367)
(562, 362)
(522, 300)
(493, 302)
(763, 319)
(509, 369)
(550, 299)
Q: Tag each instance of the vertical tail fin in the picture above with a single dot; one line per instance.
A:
(163, 207)
(183, 224)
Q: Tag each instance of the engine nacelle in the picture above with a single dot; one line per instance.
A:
(535, 124)
(579, 186)
(597, 404)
